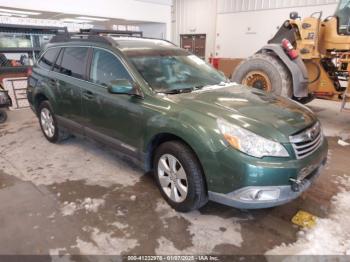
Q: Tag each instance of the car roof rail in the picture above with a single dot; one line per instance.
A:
(100, 36)
(106, 32)
(119, 33)
(80, 37)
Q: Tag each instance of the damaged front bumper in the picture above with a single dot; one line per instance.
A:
(256, 197)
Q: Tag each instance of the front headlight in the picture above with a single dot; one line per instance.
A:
(249, 142)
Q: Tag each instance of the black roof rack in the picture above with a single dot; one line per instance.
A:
(93, 35)
(99, 36)
(71, 37)
(106, 32)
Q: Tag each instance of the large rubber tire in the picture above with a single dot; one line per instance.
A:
(197, 195)
(272, 67)
(3, 116)
(58, 134)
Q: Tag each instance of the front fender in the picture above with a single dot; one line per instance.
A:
(204, 140)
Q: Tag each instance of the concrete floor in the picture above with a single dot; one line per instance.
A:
(80, 198)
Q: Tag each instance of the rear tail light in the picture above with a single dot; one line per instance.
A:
(289, 49)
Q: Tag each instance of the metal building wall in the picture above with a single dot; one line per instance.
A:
(236, 6)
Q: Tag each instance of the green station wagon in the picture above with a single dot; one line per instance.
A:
(203, 137)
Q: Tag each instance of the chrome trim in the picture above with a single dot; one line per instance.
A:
(312, 139)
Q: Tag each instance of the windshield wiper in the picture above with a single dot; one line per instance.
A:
(203, 86)
(177, 91)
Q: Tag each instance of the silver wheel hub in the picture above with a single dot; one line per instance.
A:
(172, 178)
(47, 123)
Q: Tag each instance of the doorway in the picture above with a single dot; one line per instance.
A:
(194, 43)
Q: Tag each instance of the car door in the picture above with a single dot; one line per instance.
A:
(112, 118)
(68, 75)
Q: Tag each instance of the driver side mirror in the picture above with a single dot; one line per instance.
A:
(122, 86)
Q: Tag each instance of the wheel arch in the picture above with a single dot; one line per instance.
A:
(161, 138)
(296, 68)
(38, 99)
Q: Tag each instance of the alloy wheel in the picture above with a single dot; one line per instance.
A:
(47, 122)
(172, 178)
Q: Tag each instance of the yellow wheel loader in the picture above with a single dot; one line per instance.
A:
(307, 58)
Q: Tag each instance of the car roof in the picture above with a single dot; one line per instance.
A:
(136, 46)
(130, 46)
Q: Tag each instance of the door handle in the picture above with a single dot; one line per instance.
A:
(88, 95)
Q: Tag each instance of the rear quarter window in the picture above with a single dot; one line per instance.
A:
(49, 58)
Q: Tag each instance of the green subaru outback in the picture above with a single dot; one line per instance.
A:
(203, 137)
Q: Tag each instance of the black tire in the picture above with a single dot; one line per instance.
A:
(58, 135)
(197, 195)
(3, 116)
(272, 67)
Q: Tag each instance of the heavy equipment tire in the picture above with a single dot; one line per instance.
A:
(266, 72)
(179, 177)
(3, 116)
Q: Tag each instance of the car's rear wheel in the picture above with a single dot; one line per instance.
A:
(179, 177)
(48, 124)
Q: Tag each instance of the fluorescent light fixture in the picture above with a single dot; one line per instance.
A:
(78, 21)
(8, 14)
(92, 18)
(18, 12)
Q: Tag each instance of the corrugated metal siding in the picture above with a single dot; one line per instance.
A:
(236, 6)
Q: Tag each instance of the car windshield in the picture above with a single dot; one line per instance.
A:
(176, 72)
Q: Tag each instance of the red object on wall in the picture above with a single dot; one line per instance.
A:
(214, 61)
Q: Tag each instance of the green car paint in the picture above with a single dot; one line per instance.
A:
(136, 122)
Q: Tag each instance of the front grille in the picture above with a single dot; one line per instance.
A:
(308, 141)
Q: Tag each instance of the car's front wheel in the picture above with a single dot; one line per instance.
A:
(48, 124)
(179, 177)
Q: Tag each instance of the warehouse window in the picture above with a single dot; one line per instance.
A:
(48, 59)
(74, 61)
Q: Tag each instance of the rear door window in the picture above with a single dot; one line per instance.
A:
(48, 59)
(74, 61)
(106, 67)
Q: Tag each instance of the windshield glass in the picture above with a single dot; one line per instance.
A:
(166, 73)
(343, 13)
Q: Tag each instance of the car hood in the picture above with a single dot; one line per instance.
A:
(265, 114)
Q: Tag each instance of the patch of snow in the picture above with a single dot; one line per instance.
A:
(343, 143)
(89, 204)
(105, 244)
(72, 160)
(330, 236)
(202, 228)
(119, 225)
(133, 198)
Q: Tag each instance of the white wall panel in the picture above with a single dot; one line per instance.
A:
(195, 17)
(235, 6)
(241, 34)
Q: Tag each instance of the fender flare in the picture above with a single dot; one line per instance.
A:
(296, 68)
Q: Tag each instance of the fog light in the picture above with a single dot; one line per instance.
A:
(258, 194)
(268, 194)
